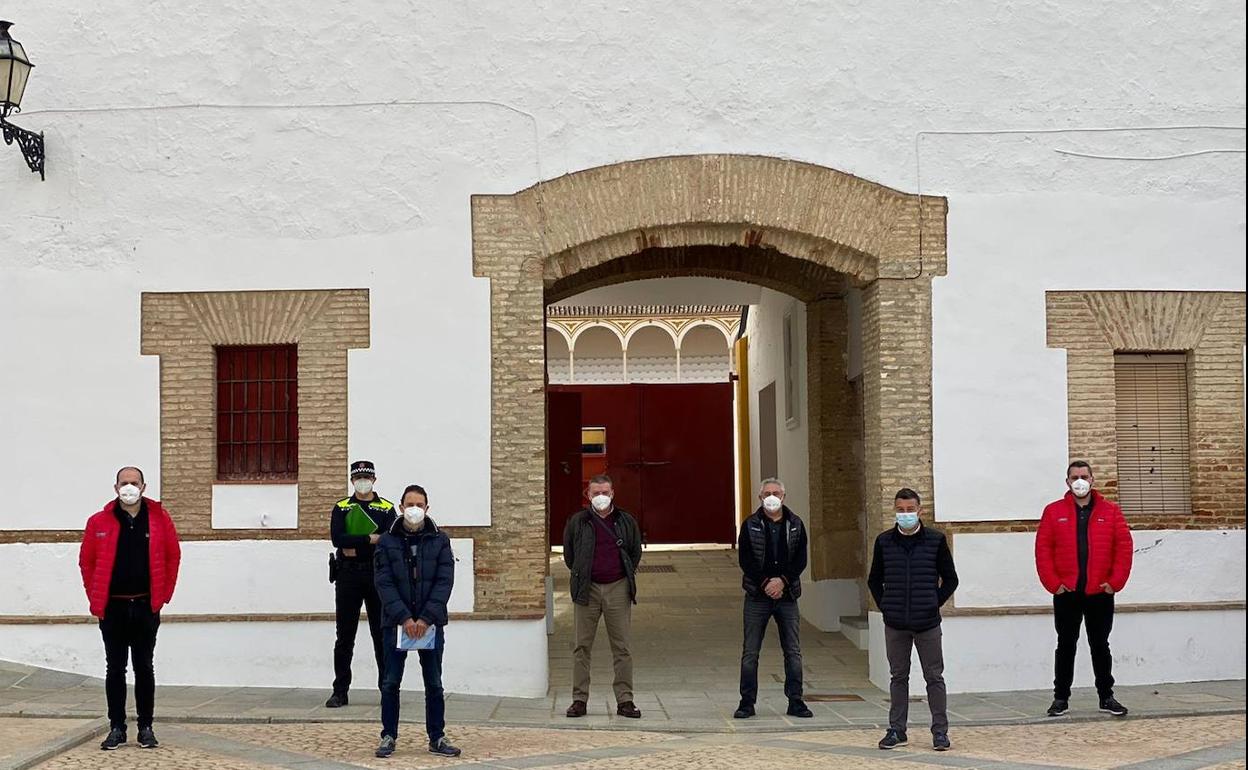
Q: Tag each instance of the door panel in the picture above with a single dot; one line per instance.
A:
(563, 458)
(686, 441)
(669, 452)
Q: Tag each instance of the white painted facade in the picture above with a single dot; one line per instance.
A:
(288, 149)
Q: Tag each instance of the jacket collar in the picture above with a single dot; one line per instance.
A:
(786, 514)
(1072, 503)
(430, 528)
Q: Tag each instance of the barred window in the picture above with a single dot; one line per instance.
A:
(1154, 465)
(257, 413)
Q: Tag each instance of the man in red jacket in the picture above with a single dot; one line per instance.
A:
(1083, 557)
(129, 561)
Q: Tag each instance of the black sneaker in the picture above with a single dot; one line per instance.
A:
(744, 711)
(940, 742)
(386, 747)
(116, 737)
(443, 747)
(798, 708)
(1058, 707)
(336, 701)
(1111, 706)
(892, 739)
(147, 738)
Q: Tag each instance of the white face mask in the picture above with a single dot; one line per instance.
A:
(771, 503)
(600, 502)
(1081, 487)
(129, 494)
(362, 486)
(413, 516)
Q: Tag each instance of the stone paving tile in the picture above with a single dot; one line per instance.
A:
(354, 743)
(1099, 745)
(89, 757)
(718, 757)
(19, 734)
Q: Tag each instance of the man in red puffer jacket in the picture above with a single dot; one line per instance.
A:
(1083, 557)
(129, 561)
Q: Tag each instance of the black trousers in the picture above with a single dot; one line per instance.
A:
(756, 614)
(353, 587)
(129, 629)
(1096, 613)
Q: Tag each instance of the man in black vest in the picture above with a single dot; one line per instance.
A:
(772, 553)
(912, 575)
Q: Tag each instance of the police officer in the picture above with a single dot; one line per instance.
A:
(355, 526)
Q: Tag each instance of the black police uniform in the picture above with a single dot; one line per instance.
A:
(351, 522)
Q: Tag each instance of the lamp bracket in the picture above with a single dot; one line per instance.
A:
(30, 143)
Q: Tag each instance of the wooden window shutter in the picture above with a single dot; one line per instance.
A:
(1154, 460)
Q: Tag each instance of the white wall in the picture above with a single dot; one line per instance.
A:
(1169, 566)
(987, 654)
(999, 409)
(297, 655)
(216, 577)
(764, 327)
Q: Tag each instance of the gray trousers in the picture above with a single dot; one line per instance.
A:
(898, 643)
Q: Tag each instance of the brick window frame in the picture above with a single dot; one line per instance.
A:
(1208, 327)
(185, 328)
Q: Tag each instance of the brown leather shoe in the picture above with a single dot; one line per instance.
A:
(577, 709)
(628, 709)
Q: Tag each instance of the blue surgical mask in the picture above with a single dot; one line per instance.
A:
(907, 520)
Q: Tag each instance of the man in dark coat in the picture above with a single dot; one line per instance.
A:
(414, 572)
(912, 575)
(602, 548)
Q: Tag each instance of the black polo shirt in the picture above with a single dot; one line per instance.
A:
(1082, 514)
(132, 571)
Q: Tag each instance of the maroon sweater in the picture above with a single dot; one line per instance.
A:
(607, 565)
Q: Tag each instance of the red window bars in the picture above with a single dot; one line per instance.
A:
(257, 413)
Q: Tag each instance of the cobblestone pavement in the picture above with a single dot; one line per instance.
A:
(1189, 743)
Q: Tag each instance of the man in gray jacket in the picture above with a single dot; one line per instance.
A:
(602, 548)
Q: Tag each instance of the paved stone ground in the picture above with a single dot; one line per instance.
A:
(1185, 743)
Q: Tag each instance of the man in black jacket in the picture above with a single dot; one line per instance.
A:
(355, 526)
(912, 575)
(772, 553)
(415, 572)
(602, 548)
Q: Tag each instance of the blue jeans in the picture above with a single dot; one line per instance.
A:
(431, 672)
(757, 613)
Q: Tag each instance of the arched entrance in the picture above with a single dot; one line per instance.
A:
(812, 232)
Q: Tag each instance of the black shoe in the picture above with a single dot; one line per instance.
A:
(797, 708)
(940, 742)
(744, 711)
(1111, 706)
(1058, 707)
(892, 739)
(628, 709)
(444, 748)
(336, 701)
(577, 709)
(147, 738)
(116, 737)
(386, 747)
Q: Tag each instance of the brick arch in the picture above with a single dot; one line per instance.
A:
(803, 229)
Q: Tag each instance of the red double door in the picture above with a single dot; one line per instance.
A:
(668, 448)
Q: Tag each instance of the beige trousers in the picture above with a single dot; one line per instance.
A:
(610, 602)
